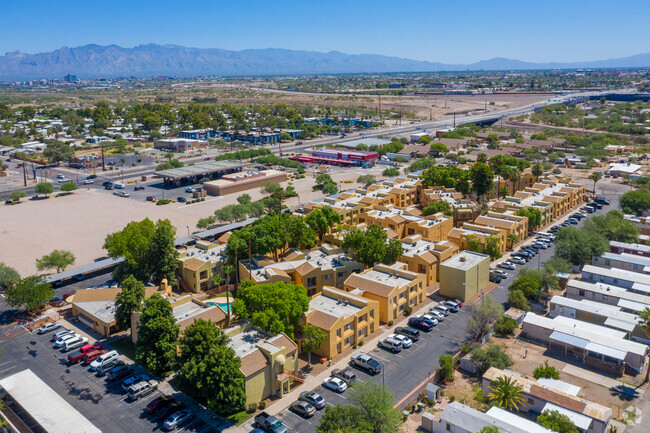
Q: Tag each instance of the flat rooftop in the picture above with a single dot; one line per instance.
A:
(246, 341)
(200, 168)
(465, 260)
(103, 310)
(387, 278)
(333, 306)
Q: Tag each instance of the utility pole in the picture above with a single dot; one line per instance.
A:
(454, 119)
(103, 165)
(24, 172)
(380, 107)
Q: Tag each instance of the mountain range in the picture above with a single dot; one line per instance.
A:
(96, 61)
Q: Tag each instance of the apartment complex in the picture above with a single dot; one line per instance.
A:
(198, 264)
(464, 275)
(462, 236)
(424, 257)
(346, 319)
(394, 287)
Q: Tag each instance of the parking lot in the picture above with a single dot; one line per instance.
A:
(104, 403)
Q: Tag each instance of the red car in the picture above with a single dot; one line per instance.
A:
(159, 403)
(151, 198)
(458, 301)
(91, 356)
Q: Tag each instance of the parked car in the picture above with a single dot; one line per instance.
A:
(150, 198)
(335, 384)
(48, 327)
(181, 199)
(105, 358)
(74, 343)
(59, 343)
(365, 362)
(518, 260)
(345, 375)
(412, 333)
(421, 323)
(60, 333)
(167, 409)
(406, 342)
(142, 389)
(130, 381)
(499, 272)
(269, 423)
(452, 305)
(588, 209)
(190, 189)
(572, 221)
(437, 314)
(303, 408)
(391, 344)
(88, 182)
(430, 317)
(178, 419)
(101, 371)
(93, 355)
(79, 354)
(495, 279)
(158, 402)
(507, 265)
(138, 188)
(602, 201)
(313, 398)
(443, 309)
(118, 372)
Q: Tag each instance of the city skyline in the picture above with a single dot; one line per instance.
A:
(447, 33)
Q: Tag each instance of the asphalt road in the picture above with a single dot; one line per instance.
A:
(406, 370)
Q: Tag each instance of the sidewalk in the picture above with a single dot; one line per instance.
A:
(596, 378)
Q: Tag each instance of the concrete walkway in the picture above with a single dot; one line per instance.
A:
(590, 376)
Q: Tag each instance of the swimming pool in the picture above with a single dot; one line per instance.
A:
(222, 305)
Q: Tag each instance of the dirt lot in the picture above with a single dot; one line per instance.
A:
(81, 221)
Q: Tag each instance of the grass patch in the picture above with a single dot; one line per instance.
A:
(125, 346)
(239, 418)
(223, 295)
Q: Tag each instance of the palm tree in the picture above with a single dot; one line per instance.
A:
(227, 270)
(506, 393)
(644, 323)
(538, 170)
(515, 178)
(506, 173)
(513, 239)
(217, 279)
(595, 176)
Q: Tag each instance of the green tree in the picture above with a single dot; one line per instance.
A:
(7, 275)
(157, 336)
(373, 246)
(438, 148)
(614, 227)
(482, 315)
(275, 307)
(437, 206)
(30, 293)
(482, 179)
(321, 220)
(343, 419)
(518, 300)
(595, 176)
(545, 370)
(506, 325)
(128, 301)
(578, 246)
(227, 271)
(68, 187)
(491, 356)
(534, 217)
(492, 138)
(446, 362)
(493, 247)
(376, 404)
(57, 259)
(554, 420)
(44, 188)
(528, 283)
(538, 170)
(330, 188)
(58, 151)
(513, 239)
(244, 199)
(635, 202)
(209, 368)
(366, 180)
(162, 253)
(322, 180)
(15, 196)
(275, 195)
(506, 394)
(390, 172)
(312, 338)
(490, 429)
(644, 320)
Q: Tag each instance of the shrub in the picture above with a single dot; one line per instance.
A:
(493, 356)
(464, 349)
(546, 370)
(251, 408)
(408, 311)
(161, 202)
(390, 323)
(360, 343)
(262, 405)
(506, 325)
(452, 398)
(446, 367)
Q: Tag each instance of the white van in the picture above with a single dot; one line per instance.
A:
(105, 358)
(74, 343)
(547, 235)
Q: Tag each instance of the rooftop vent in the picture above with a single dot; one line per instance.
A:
(462, 258)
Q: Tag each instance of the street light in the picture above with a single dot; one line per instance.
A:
(474, 287)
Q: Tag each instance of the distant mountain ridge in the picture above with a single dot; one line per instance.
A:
(97, 61)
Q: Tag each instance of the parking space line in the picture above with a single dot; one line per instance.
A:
(298, 416)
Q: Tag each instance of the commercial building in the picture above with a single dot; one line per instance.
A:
(537, 397)
(95, 308)
(269, 362)
(178, 144)
(243, 181)
(85, 161)
(607, 294)
(358, 156)
(193, 173)
(606, 315)
(636, 249)
(595, 346)
(458, 418)
(616, 169)
(324, 266)
(393, 287)
(30, 405)
(197, 134)
(346, 319)
(464, 275)
(198, 264)
(424, 257)
(624, 261)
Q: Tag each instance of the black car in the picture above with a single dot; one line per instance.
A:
(495, 279)
(118, 372)
(522, 255)
(108, 182)
(92, 176)
(138, 188)
(181, 199)
(602, 201)
(109, 186)
(170, 409)
(409, 332)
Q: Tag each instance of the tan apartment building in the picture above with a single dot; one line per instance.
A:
(324, 266)
(507, 221)
(461, 235)
(464, 275)
(346, 319)
(464, 210)
(198, 264)
(424, 257)
(393, 287)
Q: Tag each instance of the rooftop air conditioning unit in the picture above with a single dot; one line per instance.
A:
(462, 258)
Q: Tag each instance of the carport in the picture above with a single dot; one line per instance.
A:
(191, 174)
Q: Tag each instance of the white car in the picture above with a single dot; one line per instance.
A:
(118, 186)
(121, 193)
(507, 265)
(63, 180)
(431, 317)
(436, 313)
(60, 176)
(48, 327)
(88, 181)
(518, 260)
(499, 272)
(540, 244)
(335, 384)
(59, 343)
(406, 342)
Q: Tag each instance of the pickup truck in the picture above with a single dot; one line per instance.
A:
(365, 362)
(78, 355)
(270, 423)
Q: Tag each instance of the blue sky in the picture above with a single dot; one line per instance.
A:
(451, 31)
